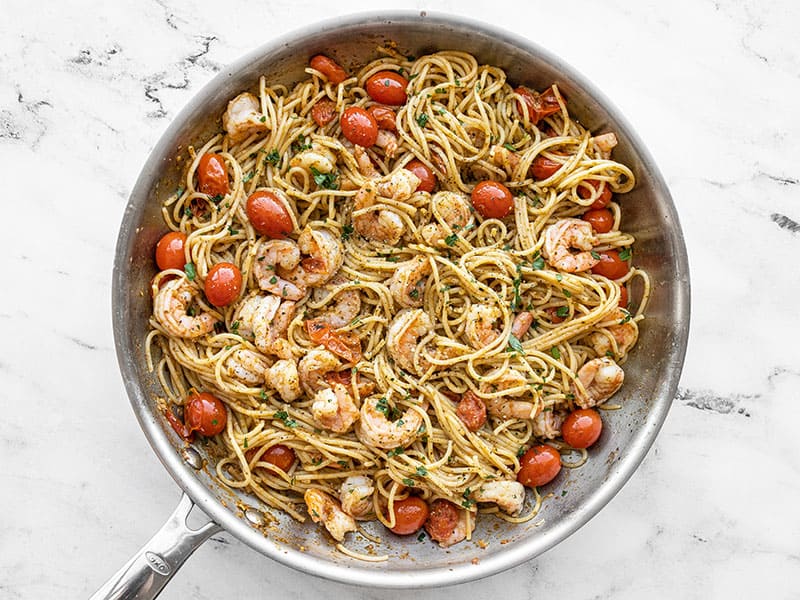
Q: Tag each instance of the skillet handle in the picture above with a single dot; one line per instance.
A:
(145, 575)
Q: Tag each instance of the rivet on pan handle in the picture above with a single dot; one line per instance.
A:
(144, 576)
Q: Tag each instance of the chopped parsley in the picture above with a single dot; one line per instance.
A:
(189, 269)
(408, 482)
(451, 239)
(421, 536)
(422, 119)
(440, 90)
(538, 264)
(247, 177)
(567, 293)
(395, 452)
(468, 503)
(555, 353)
(219, 327)
(273, 280)
(625, 254)
(562, 311)
(414, 293)
(180, 191)
(422, 471)
(517, 301)
(232, 231)
(188, 212)
(521, 451)
(282, 415)
(273, 157)
(509, 147)
(191, 311)
(595, 255)
(245, 443)
(235, 327)
(559, 277)
(325, 180)
(217, 199)
(263, 118)
(515, 344)
(300, 144)
(347, 231)
(627, 317)
(563, 493)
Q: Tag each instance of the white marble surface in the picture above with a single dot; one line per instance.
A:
(86, 88)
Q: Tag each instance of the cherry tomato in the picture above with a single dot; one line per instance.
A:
(442, 520)
(268, 215)
(384, 117)
(323, 112)
(328, 67)
(212, 175)
(543, 167)
(602, 219)
(582, 428)
(169, 251)
(178, 425)
(279, 455)
(539, 466)
(605, 193)
(205, 413)
(387, 87)
(359, 126)
(223, 284)
(623, 297)
(342, 343)
(611, 265)
(472, 411)
(427, 180)
(553, 313)
(539, 105)
(492, 199)
(409, 515)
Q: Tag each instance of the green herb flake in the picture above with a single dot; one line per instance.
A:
(609, 354)
(188, 212)
(422, 119)
(567, 293)
(179, 191)
(509, 147)
(191, 311)
(263, 118)
(625, 254)
(415, 75)
(521, 451)
(517, 298)
(282, 415)
(214, 422)
(422, 471)
(408, 482)
(555, 353)
(248, 177)
(562, 311)
(595, 255)
(232, 231)
(190, 271)
(235, 327)
(343, 463)
(273, 280)
(466, 493)
(326, 181)
(515, 345)
(300, 144)
(627, 317)
(273, 158)
(467, 504)
(414, 293)
(217, 199)
(538, 264)
(421, 536)
(395, 452)
(451, 239)
(559, 277)
(347, 231)
(563, 493)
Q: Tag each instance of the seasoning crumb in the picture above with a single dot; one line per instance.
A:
(483, 544)
(504, 542)
(475, 561)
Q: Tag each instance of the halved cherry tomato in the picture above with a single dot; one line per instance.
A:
(442, 520)
(342, 343)
(212, 175)
(387, 87)
(268, 215)
(323, 112)
(492, 199)
(539, 466)
(623, 297)
(427, 180)
(279, 455)
(205, 413)
(359, 126)
(471, 411)
(223, 284)
(611, 265)
(605, 193)
(409, 515)
(385, 117)
(543, 167)
(328, 67)
(602, 219)
(178, 425)
(169, 251)
(582, 427)
(539, 105)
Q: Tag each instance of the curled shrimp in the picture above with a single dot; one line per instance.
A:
(522, 322)
(388, 141)
(274, 257)
(547, 423)
(601, 378)
(514, 384)
(508, 495)
(356, 496)
(318, 158)
(568, 244)
(375, 428)
(334, 408)
(243, 117)
(171, 309)
(407, 283)
(624, 331)
(503, 157)
(454, 212)
(284, 379)
(402, 337)
(246, 366)
(323, 508)
(480, 328)
(346, 305)
(313, 367)
(324, 257)
(605, 143)
(265, 319)
(378, 224)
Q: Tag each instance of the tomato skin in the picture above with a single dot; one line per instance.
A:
(427, 180)
(323, 112)
(539, 105)
(492, 200)
(582, 428)
(387, 87)
(279, 455)
(605, 194)
(170, 251)
(268, 215)
(602, 219)
(212, 175)
(342, 343)
(623, 297)
(385, 117)
(359, 126)
(471, 411)
(543, 168)
(539, 466)
(205, 413)
(223, 284)
(328, 67)
(553, 313)
(611, 265)
(442, 520)
(410, 515)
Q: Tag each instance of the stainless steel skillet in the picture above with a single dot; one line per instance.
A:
(651, 373)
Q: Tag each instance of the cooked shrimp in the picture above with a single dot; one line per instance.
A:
(458, 533)
(508, 495)
(319, 158)
(402, 337)
(522, 322)
(170, 308)
(503, 157)
(625, 333)
(514, 384)
(365, 166)
(265, 319)
(399, 185)
(243, 117)
(601, 378)
(388, 141)
(346, 303)
(375, 429)
(323, 508)
(271, 256)
(246, 366)
(547, 423)
(325, 255)
(562, 237)
(284, 379)
(356, 496)
(454, 210)
(313, 367)
(407, 283)
(334, 408)
(480, 328)
(605, 143)
(380, 225)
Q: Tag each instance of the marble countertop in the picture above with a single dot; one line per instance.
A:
(88, 87)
